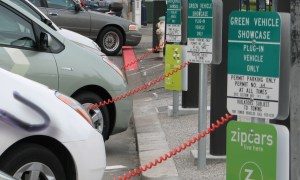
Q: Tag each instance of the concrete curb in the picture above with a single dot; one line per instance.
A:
(151, 142)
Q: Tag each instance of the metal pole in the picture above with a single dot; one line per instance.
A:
(138, 12)
(295, 89)
(202, 115)
(219, 85)
(274, 5)
(175, 103)
(259, 120)
(189, 97)
(159, 9)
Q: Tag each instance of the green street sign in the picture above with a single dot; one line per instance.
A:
(257, 151)
(254, 43)
(173, 31)
(200, 14)
(173, 60)
(254, 40)
(203, 17)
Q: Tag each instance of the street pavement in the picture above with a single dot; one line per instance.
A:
(157, 132)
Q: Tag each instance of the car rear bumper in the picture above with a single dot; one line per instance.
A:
(133, 38)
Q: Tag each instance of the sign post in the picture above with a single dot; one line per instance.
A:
(203, 17)
(258, 87)
(254, 66)
(173, 31)
(173, 35)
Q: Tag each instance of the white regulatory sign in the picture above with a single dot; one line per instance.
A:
(253, 96)
(199, 50)
(173, 33)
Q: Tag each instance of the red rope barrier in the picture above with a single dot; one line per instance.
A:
(136, 90)
(176, 150)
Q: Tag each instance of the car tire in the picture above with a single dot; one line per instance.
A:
(99, 116)
(27, 159)
(110, 41)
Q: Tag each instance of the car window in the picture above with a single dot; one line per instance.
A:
(36, 2)
(14, 30)
(61, 4)
(26, 7)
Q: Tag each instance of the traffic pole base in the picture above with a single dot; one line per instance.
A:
(184, 111)
(194, 156)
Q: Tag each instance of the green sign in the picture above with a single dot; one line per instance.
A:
(173, 31)
(200, 31)
(200, 18)
(173, 60)
(254, 43)
(173, 11)
(254, 64)
(254, 151)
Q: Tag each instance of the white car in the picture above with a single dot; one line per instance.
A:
(45, 135)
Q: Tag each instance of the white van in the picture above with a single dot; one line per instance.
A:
(45, 134)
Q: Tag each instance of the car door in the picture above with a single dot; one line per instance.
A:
(63, 14)
(18, 49)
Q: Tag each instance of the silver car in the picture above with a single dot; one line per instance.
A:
(109, 32)
(31, 48)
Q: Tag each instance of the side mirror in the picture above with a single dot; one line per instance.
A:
(45, 40)
(47, 21)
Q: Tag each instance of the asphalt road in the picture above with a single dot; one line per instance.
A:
(121, 152)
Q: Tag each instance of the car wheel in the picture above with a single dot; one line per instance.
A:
(110, 41)
(99, 116)
(32, 161)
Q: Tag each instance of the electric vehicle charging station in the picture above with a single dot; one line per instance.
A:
(258, 87)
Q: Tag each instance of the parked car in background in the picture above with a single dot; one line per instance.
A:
(104, 6)
(109, 32)
(31, 48)
(75, 37)
(45, 135)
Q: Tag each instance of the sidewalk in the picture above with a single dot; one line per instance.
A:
(157, 133)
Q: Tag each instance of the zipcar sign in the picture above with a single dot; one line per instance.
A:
(254, 41)
(257, 151)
